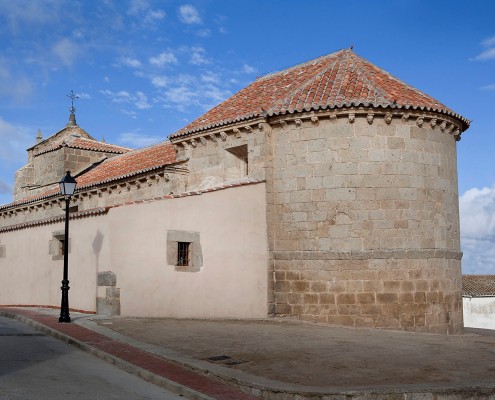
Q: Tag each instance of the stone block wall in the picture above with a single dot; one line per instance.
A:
(419, 293)
(109, 304)
(216, 158)
(364, 219)
(50, 167)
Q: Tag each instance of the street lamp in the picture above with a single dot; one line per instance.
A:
(67, 188)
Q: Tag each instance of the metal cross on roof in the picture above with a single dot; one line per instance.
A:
(72, 96)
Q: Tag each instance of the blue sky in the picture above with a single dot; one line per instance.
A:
(144, 68)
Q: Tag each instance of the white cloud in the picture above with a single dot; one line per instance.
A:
(188, 14)
(141, 101)
(130, 62)
(67, 51)
(190, 93)
(163, 58)
(31, 13)
(198, 56)
(477, 214)
(210, 77)
(160, 81)
(488, 87)
(248, 69)
(489, 53)
(132, 114)
(143, 10)
(153, 15)
(490, 42)
(136, 139)
(138, 100)
(181, 96)
(138, 6)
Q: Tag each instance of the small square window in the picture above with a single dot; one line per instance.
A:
(184, 251)
(183, 254)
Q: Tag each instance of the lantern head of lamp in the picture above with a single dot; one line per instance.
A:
(67, 185)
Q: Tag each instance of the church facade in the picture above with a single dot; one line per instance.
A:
(325, 192)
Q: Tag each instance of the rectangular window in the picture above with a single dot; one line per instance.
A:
(56, 249)
(183, 254)
(236, 162)
(184, 251)
(62, 247)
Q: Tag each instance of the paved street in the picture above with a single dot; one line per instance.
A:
(276, 359)
(39, 367)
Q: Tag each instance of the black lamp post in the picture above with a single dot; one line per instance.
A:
(67, 188)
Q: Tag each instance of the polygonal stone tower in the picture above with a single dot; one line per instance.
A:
(361, 191)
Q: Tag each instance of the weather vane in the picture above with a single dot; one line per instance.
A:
(72, 96)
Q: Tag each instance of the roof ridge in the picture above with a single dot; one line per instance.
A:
(73, 138)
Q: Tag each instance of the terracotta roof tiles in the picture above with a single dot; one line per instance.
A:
(478, 285)
(86, 144)
(336, 80)
(129, 164)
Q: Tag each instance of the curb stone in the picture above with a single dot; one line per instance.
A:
(148, 376)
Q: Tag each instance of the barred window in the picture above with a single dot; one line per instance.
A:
(183, 254)
(184, 251)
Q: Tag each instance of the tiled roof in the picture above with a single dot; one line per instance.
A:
(130, 163)
(478, 285)
(86, 144)
(121, 166)
(336, 80)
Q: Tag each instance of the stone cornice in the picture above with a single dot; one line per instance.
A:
(344, 108)
(53, 220)
(442, 123)
(441, 120)
(128, 179)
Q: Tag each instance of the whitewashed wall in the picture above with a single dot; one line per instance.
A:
(131, 241)
(479, 312)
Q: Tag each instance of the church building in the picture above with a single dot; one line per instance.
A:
(324, 192)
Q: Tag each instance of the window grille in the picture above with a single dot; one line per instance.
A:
(183, 254)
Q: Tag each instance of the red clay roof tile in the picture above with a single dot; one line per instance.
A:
(335, 80)
(129, 164)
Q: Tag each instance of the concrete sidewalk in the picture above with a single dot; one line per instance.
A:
(280, 359)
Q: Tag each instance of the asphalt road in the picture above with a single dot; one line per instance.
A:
(38, 367)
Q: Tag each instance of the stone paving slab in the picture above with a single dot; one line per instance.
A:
(279, 359)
